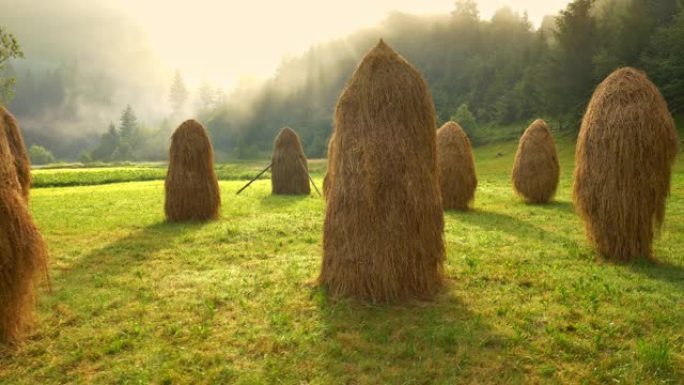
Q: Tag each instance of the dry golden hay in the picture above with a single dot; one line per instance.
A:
(289, 169)
(623, 162)
(456, 167)
(22, 161)
(23, 255)
(382, 238)
(536, 170)
(327, 179)
(192, 190)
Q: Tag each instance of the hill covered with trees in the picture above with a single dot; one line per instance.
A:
(486, 74)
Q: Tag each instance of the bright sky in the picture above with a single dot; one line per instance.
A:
(225, 41)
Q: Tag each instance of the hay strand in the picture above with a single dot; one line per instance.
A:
(623, 164)
(382, 239)
(456, 167)
(536, 170)
(22, 162)
(328, 174)
(289, 173)
(192, 190)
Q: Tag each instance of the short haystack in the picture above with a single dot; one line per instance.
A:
(457, 178)
(289, 169)
(22, 162)
(382, 238)
(23, 254)
(623, 163)
(536, 170)
(192, 190)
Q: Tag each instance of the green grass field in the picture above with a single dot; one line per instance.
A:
(135, 300)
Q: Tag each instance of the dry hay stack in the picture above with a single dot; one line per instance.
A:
(382, 239)
(457, 178)
(22, 162)
(192, 190)
(536, 170)
(289, 169)
(623, 162)
(23, 254)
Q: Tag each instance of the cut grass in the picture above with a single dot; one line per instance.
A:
(136, 300)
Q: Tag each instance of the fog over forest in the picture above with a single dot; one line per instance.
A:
(86, 63)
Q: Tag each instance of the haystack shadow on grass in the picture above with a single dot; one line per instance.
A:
(659, 270)
(126, 253)
(492, 221)
(555, 205)
(275, 201)
(396, 340)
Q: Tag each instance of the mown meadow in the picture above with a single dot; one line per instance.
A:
(132, 299)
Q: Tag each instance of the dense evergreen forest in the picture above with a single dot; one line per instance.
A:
(483, 73)
(487, 74)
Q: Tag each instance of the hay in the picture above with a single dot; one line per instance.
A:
(382, 237)
(536, 170)
(623, 162)
(327, 179)
(289, 169)
(22, 161)
(23, 254)
(192, 190)
(456, 167)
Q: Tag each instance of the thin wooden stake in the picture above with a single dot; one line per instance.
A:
(255, 178)
(314, 184)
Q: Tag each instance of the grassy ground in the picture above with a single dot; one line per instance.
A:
(135, 300)
(56, 176)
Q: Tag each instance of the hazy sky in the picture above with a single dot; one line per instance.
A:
(225, 41)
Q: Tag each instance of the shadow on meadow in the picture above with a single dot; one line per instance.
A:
(497, 222)
(433, 342)
(275, 202)
(126, 253)
(556, 205)
(660, 270)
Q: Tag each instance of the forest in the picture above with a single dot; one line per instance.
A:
(486, 74)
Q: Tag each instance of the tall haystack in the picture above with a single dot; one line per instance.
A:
(536, 169)
(22, 162)
(23, 254)
(623, 162)
(457, 178)
(382, 239)
(289, 169)
(192, 190)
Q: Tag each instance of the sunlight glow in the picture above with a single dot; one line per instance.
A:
(225, 41)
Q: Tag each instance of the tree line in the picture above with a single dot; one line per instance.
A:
(486, 74)
(482, 73)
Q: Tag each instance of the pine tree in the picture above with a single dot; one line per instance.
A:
(179, 94)
(128, 127)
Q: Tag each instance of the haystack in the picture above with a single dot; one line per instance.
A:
(22, 162)
(382, 239)
(536, 169)
(23, 254)
(457, 179)
(192, 190)
(289, 169)
(623, 162)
